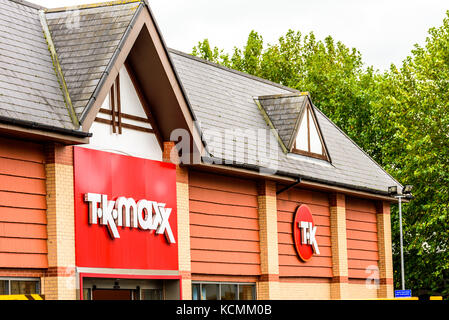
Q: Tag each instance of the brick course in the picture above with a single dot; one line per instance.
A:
(59, 281)
(182, 195)
(338, 287)
(268, 286)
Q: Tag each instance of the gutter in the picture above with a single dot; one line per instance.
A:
(218, 161)
(298, 181)
(45, 127)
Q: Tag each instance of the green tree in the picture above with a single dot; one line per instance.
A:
(415, 105)
(400, 117)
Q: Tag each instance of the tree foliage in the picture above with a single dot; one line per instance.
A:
(400, 117)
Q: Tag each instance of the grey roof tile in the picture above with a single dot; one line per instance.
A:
(208, 87)
(284, 112)
(29, 88)
(221, 99)
(86, 47)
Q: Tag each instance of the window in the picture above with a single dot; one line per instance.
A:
(19, 286)
(308, 142)
(151, 294)
(223, 291)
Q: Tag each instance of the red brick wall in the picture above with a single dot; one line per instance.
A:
(361, 226)
(23, 232)
(224, 226)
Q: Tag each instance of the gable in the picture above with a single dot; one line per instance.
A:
(122, 125)
(293, 118)
(281, 112)
(106, 37)
(309, 139)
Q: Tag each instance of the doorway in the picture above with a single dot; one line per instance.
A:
(129, 289)
(112, 294)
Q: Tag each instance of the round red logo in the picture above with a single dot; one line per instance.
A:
(304, 232)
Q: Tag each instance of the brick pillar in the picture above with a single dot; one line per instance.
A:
(182, 196)
(59, 281)
(339, 285)
(385, 254)
(268, 286)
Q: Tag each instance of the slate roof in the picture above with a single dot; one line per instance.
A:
(86, 40)
(220, 98)
(283, 111)
(29, 88)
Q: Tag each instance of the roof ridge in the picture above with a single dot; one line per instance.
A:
(28, 4)
(241, 73)
(91, 5)
(283, 95)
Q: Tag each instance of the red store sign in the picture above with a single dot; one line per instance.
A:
(304, 233)
(125, 212)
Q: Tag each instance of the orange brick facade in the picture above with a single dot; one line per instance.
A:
(233, 229)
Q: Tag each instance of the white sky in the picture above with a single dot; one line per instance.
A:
(384, 31)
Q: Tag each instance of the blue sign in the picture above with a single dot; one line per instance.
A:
(402, 293)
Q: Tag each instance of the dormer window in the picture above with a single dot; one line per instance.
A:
(308, 140)
(293, 118)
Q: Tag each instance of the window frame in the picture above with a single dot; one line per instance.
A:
(31, 279)
(308, 153)
(200, 283)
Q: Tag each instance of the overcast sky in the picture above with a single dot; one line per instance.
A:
(384, 31)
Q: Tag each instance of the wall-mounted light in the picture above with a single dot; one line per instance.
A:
(407, 189)
(393, 190)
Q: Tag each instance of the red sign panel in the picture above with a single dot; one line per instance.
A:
(304, 232)
(125, 211)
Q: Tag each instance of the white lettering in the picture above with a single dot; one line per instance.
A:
(308, 232)
(93, 200)
(125, 212)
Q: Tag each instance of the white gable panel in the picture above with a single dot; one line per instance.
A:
(130, 102)
(315, 142)
(130, 142)
(301, 138)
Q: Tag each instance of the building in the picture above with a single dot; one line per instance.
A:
(129, 170)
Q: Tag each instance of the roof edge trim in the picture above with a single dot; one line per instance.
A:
(91, 5)
(304, 178)
(58, 69)
(28, 4)
(298, 122)
(45, 127)
(243, 74)
(364, 152)
(270, 124)
(284, 95)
